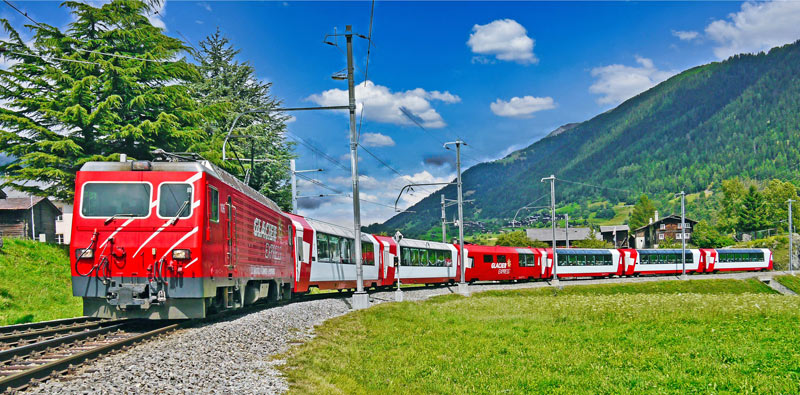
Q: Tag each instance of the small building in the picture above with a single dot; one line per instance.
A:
(658, 230)
(28, 217)
(63, 222)
(546, 235)
(616, 235)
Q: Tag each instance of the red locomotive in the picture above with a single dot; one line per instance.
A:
(175, 239)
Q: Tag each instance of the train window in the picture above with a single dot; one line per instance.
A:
(571, 260)
(213, 204)
(488, 259)
(448, 259)
(406, 256)
(299, 245)
(322, 247)
(348, 250)
(367, 253)
(424, 259)
(334, 251)
(175, 197)
(501, 259)
(440, 258)
(414, 257)
(607, 260)
(131, 199)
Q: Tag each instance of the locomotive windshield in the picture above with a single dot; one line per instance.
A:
(129, 199)
(173, 198)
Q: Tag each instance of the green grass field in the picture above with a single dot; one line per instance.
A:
(35, 283)
(710, 336)
(789, 281)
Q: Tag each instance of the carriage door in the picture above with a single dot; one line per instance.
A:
(231, 232)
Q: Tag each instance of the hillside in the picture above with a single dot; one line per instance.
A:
(734, 118)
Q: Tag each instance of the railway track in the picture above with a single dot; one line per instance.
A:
(33, 352)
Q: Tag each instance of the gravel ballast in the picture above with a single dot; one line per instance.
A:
(238, 354)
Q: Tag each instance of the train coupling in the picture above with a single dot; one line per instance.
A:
(128, 295)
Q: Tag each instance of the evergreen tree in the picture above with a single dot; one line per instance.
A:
(643, 210)
(232, 85)
(68, 100)
(705, 236)
(753, 213)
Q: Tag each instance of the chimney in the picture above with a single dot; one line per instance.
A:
(123, 158)
(656, 215)
(651, 220)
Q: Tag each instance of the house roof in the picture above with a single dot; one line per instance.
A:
(546, 234)
(611, 228)
(19, 203)
(673, 216)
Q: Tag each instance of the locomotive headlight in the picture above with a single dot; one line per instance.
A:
(84, 253)
(181, 254)
(140, 165)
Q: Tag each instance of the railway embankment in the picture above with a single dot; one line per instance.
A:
(35, 282)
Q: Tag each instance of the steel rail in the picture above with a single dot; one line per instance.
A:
(24, 378)
(51, 331)
(45, 324)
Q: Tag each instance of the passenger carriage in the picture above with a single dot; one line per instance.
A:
(737, 259)
(168, 240)
(530, 264)
(667, 261)
(576, 262)
(495, 263)
(428, 262)
(333, 264)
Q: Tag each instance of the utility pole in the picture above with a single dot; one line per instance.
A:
(683, 234)
(444, 222)
(552, 180)
(463, 288)
(33, 221)
(566, 228)
(360, 298)
(294, 172)
(791, 236)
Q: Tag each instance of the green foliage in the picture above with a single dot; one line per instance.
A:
(642, 212)
(753, 213)
(597, 341)
(518, 239)
(606, 213)
(232, 86)
(669, 243)
(67, 102)
(736, 118)
(706, 236)
(35, 283)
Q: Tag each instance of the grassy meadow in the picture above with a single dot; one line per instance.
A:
(35, 283)
(717, 336)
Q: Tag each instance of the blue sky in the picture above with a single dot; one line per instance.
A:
(498, 75)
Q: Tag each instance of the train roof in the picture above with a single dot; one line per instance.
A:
(426, 244)
(336, 230)
(663, 251)
(204, 166)
(741, 250)
(583, 251)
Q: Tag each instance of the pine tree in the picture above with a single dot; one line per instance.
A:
(643, 210)
(68, 100)
(232, 86)
(753, 213)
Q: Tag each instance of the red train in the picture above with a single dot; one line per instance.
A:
(180, 238)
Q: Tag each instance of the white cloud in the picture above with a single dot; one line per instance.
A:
(521, 107)
(618, 83)
(383, 105)
(686, 35)
(376, 140)
(291, 119)
(157, 13)
(505, 39)
(757, 27)
(205, 5)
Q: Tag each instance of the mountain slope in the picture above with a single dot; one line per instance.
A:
(740, 117)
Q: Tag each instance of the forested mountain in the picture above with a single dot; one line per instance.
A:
(736, 118)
